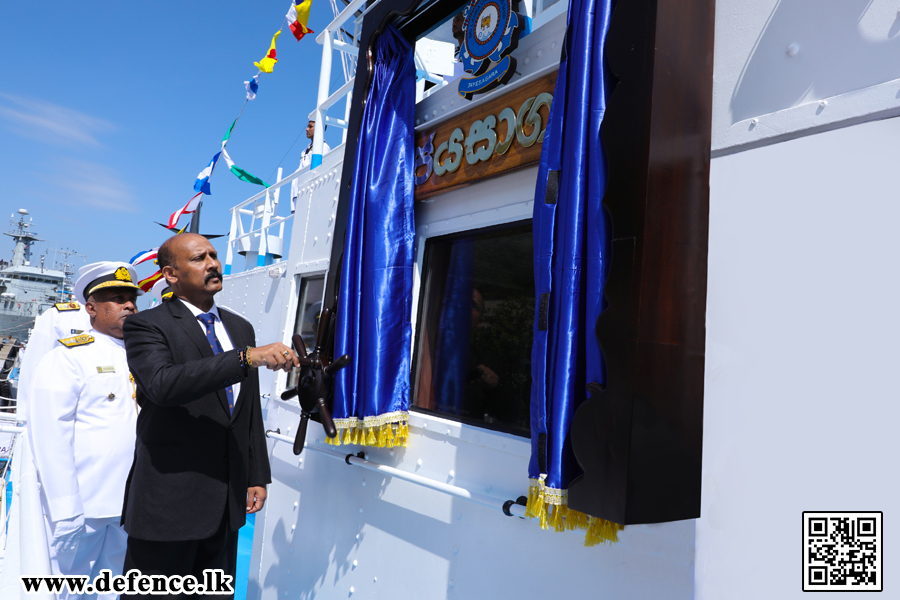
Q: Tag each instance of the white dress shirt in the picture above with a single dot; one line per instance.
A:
(221, 333)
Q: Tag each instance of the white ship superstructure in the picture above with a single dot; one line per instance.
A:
(792, 151)
(27, 290)
(799, 332)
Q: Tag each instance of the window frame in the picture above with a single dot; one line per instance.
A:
(502, 200)
(296, 290)
(417, 334)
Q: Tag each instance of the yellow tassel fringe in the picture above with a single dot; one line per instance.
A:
(550, 506)
(384, 431)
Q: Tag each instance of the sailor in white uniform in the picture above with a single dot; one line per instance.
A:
(160, 292)
(82, 426)
(64, 320)
(306, 161)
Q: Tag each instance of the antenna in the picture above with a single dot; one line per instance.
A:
(68, 288)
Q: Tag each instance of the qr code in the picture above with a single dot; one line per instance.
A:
(842, 551)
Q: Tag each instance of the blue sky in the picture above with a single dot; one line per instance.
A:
(108, 110)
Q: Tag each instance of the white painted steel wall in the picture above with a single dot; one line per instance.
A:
(314, 217)
(334, 531)
(801, 403)
(786, 68)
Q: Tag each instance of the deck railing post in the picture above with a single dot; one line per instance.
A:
(229, 252)
(324, 79)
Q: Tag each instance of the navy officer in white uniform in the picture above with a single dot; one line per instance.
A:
(306, 161)
(63, 320)
(82, 427)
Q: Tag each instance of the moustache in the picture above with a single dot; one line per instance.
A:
(212, 275)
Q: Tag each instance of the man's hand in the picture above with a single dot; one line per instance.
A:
(256, 498)
(66, 533)
(276, 357)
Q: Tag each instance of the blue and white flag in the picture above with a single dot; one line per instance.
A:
(252, 86)
(143, 256)
(202, 183)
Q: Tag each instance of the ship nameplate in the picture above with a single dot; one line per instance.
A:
(498, 136)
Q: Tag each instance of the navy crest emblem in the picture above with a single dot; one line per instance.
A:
(491, 29)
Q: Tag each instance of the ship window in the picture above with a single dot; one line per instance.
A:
(309, 305)
(474, 332)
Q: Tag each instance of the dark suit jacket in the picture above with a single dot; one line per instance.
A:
(192, 459)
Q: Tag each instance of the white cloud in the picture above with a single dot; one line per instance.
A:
(44, 121)
(92, 184)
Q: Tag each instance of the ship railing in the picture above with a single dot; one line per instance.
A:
(8, 414)
(25, 534)
(258, 223)
(262, 240)
(332, 40)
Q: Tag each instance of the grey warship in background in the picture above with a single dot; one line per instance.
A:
(26, 291)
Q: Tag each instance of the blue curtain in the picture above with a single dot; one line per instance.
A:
(571, 247)
(371, 398)
(451, 355)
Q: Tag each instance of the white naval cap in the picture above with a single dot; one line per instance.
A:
(160, 291)
(105, 274)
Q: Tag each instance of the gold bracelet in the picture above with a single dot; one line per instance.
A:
(249, 358)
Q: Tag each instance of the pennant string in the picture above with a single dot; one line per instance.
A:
(243, 175)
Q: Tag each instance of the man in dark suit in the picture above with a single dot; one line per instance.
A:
(200, 461)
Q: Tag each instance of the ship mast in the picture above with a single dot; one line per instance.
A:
(24, 239)
(67, 290)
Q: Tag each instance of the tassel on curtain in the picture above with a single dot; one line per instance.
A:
(571, 245)
(371, 398)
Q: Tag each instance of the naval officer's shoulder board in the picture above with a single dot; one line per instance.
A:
(78, 340)
(64, 306)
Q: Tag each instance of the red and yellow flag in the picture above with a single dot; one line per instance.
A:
(298, 17)
(146, 284)
(268, 63)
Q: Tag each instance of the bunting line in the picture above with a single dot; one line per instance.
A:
(202, 183)
(143, 256)
(190, 207)
(147, 284)
(241, 173)
(298, 18)
(267, 64)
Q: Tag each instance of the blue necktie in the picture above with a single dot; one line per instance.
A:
(208, 319)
